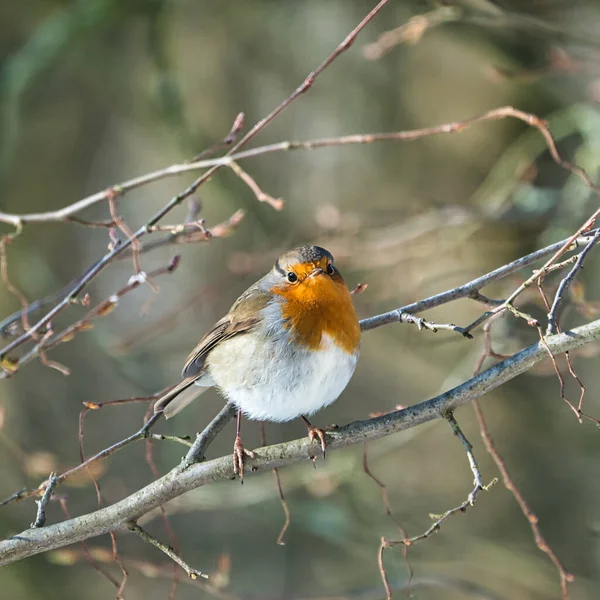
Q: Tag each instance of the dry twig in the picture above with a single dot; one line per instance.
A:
(149, 539)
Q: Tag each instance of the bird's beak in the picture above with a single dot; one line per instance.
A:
(316, 271)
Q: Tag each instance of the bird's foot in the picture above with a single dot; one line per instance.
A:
(239, 452)
(313, 434)
(317, 433)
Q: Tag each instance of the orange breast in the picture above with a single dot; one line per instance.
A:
(321, 305)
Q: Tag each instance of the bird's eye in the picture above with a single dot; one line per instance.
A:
(330, 269)
(292, 277)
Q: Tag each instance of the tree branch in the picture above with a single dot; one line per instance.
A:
(183, 479)
(472, 288)
(235, 154)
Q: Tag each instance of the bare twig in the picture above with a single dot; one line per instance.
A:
(117, 559)
(468, 289)
(368, 138)
(284, 504)
(50, 340)
(421, 324)
(261, 196)
(479, 297)
(411, 31)
(488, 351)
(558, 375)
(566, 282)
(238, 125)
(40, 518)
(185, 440)
(143, 433)
(185, 233)
(174, 542)
(111, 197)
(204, 439)
(477, 481)
(388, 511)
(52, 364)
(578, 412)
(439, 519)
(90, 559)
(583, 229)
(11, 287)
(193, 573)
(461, 508)
(564, 575)
(508, 482)
(384, 496)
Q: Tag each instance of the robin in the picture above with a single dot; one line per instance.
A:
(287, 347)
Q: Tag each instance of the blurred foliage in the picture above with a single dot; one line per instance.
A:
(93, 92)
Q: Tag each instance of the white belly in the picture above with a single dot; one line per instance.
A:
(273, 382)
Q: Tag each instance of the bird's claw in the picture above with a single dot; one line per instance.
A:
(239, 452)
(313, 434)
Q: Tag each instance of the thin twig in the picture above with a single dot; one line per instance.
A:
(558, 375)
(50, 340)
(566, 282)
(388, 511)
(180, 234)
(508, 482)
(461, 508)
(111, 197)
(439, 519)
(116, 558)
(468, 289)
(553, 319)
(479, 297)
(237, 126)
(477, 481)
(163, 513)
(422, 324)
(283, 146)
(11, 287)
(284, 504)
(171, 438)
(261, 196)
(88, 555)
(205, 438)
(583, 229)
(149, 539)
(540, 542)
(40, 518)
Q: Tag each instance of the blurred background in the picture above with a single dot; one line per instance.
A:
(94, 92)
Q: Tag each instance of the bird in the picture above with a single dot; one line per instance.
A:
(287, 348)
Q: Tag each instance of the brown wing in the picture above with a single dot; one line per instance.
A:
(242, 318)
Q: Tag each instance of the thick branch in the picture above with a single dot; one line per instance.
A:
(182, 479)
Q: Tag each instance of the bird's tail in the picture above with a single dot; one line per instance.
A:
(179, 397)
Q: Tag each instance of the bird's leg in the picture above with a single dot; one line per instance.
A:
(315, 432)
(239, 451)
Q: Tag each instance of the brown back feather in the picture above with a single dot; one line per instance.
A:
(242, 318)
